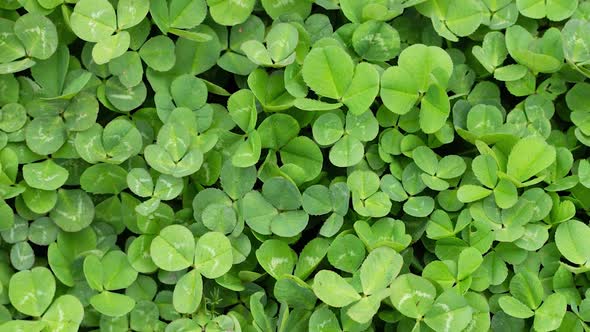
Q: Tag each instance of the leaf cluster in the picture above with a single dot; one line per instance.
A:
(294, 165)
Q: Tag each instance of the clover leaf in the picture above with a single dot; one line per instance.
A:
(294, 165)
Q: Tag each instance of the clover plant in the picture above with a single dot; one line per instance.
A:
(294, 165)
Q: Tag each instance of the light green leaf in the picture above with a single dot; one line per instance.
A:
(328, 71)
(514, 307)
(213, 255)
(276, 258)
(550, 315)
(112, 304)
(333, 290)
(379, 269)
(131, 12)
(412, 295)
(188, 292)
(111, 47)
(570, 239)
(173, 249)
(93, 20)
(31, 291)
(38, 35)
(74, 210)
(528, 157)
(65, 313)
(46, 175)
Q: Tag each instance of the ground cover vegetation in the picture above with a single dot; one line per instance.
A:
(294, 165)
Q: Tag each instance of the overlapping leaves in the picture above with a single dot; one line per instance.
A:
(279, 165)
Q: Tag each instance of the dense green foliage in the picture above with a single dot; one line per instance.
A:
(294, 165)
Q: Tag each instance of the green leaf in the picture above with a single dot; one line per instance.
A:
(104, 179)
(311, 256)
(66, 312)
(399, 89)
(123, 98)
(13, 117)
(419, 206)
(327, 129)
(428, 64)
(471, 193)
(230, 12)
(486, 170)
(505, 194)
(276, 258)
(46, 175)
(188, 292)
(328, 71)
(543, 54)
(256, 52)
(363, 89)
(414, 296)
(346, 253)
(555, 10)
(333, 290)
(527, 288)
(307, 104)
(158, 53)
(173, 249)
(492, 53)
(323, 320)
(282, 193)
(258, 213)
(276, 8)
(92, 20)
(294, 292)
(242, 109)
(302, 152)
(514, 307)
(281, 41)
(117, 271)
(74, 210)
(570, 240)
(22, 325)
(111, 47)
(469, 261)
(575, 40)
(213, 255)
(528, 157)
(289, 223)
(16, 66)
(45, 135)
(31, 291)
(426, 159)
(93, 272)
(277, 130)
(112, 304)
(131, 12)
(348, 151)
(450, 312)
(187, 14)
(435, 109)
(140, 182)
(364, 310)
(168, 187)
(379, 269)
(376, 41)
(550, 315)
(237, 181)
(510, 73)
(188, 91)
(316, 200)
(38, 35)
(459, 19)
